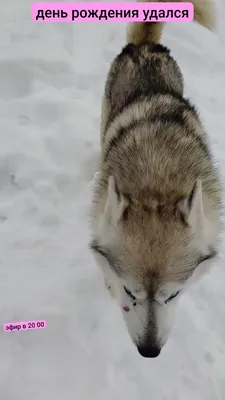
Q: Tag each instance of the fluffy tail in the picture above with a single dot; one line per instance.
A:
(147, 32)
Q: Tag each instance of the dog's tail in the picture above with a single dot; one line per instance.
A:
(148, 32)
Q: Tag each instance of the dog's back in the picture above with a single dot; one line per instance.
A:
(146, 118)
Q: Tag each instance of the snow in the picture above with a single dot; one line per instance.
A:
(51, 81)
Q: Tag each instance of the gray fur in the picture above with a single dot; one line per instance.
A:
(156, 205)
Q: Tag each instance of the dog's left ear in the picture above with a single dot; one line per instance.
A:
(192, 207)
(116, 203)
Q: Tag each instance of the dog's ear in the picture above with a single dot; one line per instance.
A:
(116, 203)
(192, 207)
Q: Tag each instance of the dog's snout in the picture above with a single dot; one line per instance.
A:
(149, 351)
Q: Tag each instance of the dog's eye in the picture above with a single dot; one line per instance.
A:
(172, 297)
(129, 293)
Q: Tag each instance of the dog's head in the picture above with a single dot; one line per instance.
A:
(151, 255)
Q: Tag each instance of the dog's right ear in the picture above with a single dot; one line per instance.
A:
(192, 207)
(116, 203)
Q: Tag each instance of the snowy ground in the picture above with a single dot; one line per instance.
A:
(51, 81)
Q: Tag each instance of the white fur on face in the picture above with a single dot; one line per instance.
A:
(148, 322)
(137, 318)
(165, 318)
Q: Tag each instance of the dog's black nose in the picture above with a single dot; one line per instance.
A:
(149, 351)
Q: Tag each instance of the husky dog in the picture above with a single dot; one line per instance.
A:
(157, 200)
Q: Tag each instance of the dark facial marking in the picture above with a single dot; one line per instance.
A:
(107, 254)
(200, 259)
(195, 263)
(212, 254)
(172, 297)
(129, 293)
